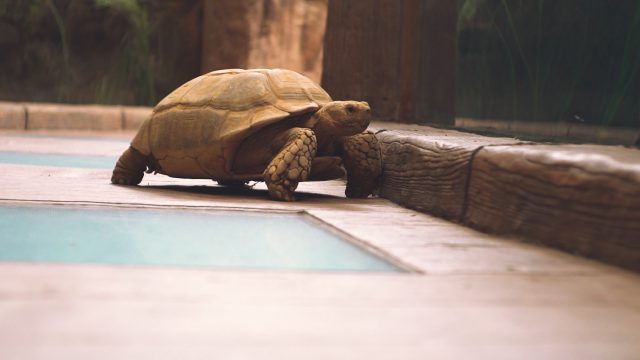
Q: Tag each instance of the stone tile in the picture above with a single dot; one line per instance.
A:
(73, 117)
(134, 116)
(12, 116)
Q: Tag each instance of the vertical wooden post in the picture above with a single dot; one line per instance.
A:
(397, 55)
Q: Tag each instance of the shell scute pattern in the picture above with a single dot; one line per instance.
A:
(235, 101)
(175, 97)
(209, 116)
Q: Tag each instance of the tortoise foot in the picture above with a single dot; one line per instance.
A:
(130, 168)
(362, 159)
(291, 165)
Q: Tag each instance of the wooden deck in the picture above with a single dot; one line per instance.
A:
(469, 295)
(584, 199)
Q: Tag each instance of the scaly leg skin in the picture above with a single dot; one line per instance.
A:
(326, 168)
(130, 168)
(291, 165)
(363, 162)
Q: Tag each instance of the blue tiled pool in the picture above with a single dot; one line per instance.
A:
(59, 160)
(65, 234)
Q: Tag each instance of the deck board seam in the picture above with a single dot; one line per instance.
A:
(465, 200)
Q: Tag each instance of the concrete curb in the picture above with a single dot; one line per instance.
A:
(584, 199)
(43, 116)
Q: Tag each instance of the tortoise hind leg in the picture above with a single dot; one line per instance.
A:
(130, 168)
(362, 160)
(291, 165)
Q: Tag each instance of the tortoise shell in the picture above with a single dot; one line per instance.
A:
(194, 131)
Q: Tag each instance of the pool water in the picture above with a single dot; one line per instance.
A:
(59, 160)
(65, 234)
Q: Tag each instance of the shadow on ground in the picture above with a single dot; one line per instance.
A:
(235, 191)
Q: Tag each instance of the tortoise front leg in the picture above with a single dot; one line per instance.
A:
(291, 165)
(363, 162)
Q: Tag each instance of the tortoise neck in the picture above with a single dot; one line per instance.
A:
(322, 126)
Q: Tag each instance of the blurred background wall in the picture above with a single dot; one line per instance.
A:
(550, 61)
(271, 33)
(397, 55)
(425, 61)
(111, 52)
(137, 51)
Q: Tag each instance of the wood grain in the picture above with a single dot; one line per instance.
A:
(66, 311)
(525, 301)
(583, 199)
(427, 169)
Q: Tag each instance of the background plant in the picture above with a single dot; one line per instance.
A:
(97, 51)
(133, 63)
(543, 60)
(32, 46)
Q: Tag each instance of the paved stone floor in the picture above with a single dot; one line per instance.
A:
(467, 294)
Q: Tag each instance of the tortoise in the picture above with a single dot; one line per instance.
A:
(274, 125)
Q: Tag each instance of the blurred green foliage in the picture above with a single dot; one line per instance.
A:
(544, 60)
(24, 47)
(97, 51)
(16, 11)
(133, 63)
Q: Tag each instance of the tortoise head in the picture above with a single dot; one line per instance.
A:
(345, 118)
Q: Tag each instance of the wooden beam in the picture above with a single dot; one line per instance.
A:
(397, 55)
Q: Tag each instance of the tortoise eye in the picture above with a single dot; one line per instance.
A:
(351, 108)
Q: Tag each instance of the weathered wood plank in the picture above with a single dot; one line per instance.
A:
(584, 199)
(427, 169)
(68, 311)
(528, 302)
